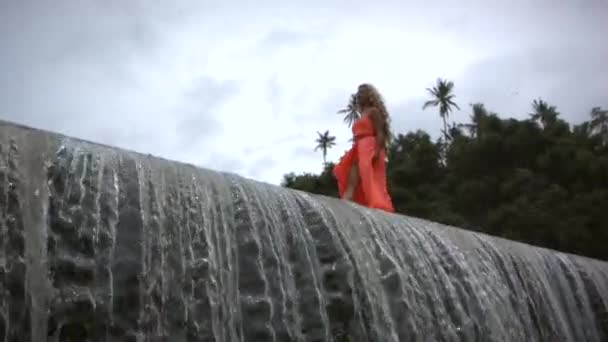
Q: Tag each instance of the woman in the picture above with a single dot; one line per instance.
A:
(361, 173)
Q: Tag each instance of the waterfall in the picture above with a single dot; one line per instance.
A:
(102, 244)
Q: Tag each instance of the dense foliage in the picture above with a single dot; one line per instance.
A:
(540, 180)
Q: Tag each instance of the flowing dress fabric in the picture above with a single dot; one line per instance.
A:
(371, 190)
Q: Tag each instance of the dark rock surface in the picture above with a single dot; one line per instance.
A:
(102, 244)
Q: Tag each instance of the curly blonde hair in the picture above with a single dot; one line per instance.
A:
(368, 96)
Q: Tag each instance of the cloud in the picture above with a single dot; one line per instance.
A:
(274, 93)
(244, 87)
(65, 72)
(507, 84)
(408, 116)
(563, 76)
(258, 167)
(200, 108)
(103, 75)
(306, 151)
(221, 162)
(281, 37)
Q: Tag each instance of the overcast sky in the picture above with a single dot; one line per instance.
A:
(244, 86)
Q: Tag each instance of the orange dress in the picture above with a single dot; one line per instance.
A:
(371, 190)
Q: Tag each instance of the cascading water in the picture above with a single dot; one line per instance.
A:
(100, 244)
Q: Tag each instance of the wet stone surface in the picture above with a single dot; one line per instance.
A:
(101, 244)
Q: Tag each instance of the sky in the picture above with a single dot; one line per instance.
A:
(244, 87)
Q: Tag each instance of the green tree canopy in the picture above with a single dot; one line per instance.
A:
(540, 180)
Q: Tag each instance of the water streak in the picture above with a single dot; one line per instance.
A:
(101, 244)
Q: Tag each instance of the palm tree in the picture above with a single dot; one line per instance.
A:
(455, 130)
(442, 96)
(599, 123)
(583, 131)
(543, 113)
(351, 111)
(325, 142)
(479, 113)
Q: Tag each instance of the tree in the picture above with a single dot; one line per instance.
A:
(475, 126)
(325, 142)
(543, 113)
(455, 131)
(442, 96)
(322, 184)
(599, 124)
(351, 111)
(539, 181)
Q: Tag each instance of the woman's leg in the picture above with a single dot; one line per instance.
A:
(353, 178)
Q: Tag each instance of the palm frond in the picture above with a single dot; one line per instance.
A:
(454, 104)
(429, 103)
(433, 91)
